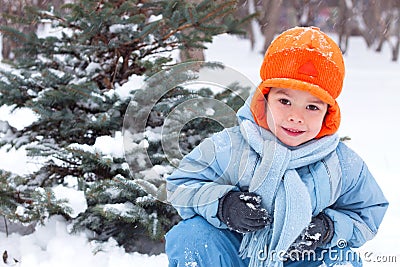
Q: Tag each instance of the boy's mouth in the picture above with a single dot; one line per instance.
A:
(292, 131)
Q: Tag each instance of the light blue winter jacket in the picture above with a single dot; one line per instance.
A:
(349, 195)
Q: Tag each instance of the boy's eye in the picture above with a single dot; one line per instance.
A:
(284, 101)
(312, 107)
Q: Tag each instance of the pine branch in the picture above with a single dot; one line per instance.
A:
(66, 80)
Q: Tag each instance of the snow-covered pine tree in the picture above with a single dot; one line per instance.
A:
(175, 110)
(70, 78)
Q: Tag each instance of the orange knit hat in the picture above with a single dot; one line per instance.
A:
(302, 58)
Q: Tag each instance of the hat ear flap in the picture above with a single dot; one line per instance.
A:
(331, 121)
(258, 104)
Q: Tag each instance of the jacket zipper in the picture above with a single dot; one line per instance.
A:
(255, 164)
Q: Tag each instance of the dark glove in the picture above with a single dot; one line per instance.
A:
(241, 211)
(317, 234)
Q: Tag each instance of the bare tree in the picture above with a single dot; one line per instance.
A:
(297, 13)
(369, 19)
(306, 11)
(396, 46)
(384, 19)
(388, 26)
(268, 19)
(245, 8)
(343, 29)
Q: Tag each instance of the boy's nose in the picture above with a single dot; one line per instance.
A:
(295, 118)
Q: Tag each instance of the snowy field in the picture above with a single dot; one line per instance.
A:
(369, 104)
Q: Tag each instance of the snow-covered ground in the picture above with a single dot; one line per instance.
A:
(369, 104)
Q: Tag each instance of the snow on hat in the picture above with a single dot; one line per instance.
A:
(303, 58)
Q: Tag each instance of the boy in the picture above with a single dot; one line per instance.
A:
(280, 189)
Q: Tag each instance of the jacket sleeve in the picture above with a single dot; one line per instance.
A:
(196, 186)
(361, 206)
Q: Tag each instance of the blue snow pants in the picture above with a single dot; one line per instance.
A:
(195, 242)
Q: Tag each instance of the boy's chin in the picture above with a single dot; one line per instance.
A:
(293, 142)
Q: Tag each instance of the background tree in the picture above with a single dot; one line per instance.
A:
(373, 20)
(387, 27)
(13, 11)
(70, 80)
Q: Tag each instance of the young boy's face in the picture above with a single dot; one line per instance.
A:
(294, 116)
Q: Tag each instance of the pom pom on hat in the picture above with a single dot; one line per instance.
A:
(303, 58)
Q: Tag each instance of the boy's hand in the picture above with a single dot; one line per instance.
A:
(241, 211)
(317, 234)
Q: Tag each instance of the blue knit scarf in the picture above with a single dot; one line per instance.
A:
(283, 193)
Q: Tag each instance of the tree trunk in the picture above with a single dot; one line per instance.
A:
(188, 54)
(343, 26)
(269, 21)
(396, 47)
(384, 32)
